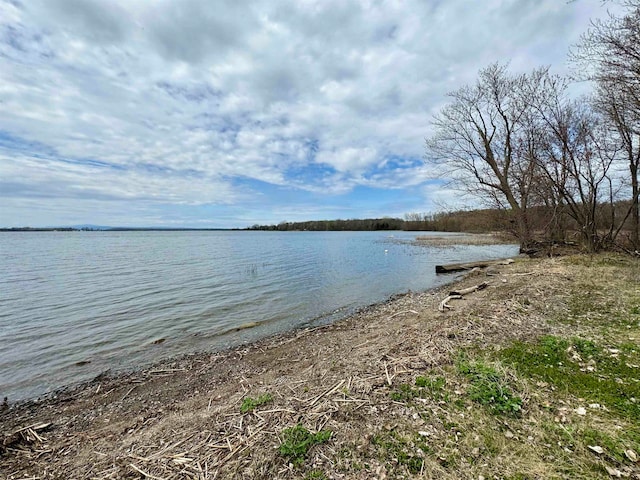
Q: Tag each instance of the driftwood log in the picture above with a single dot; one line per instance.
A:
(460, 267)
(458, 294)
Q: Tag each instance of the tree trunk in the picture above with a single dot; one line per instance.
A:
(635, 212)
(524, 230)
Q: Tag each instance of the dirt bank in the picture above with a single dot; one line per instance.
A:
(377, 395)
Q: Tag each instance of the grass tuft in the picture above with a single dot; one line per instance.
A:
(249, 404)
(315, 475)
(406, 452)
(433, 387)
(489, 388)
(298, 441)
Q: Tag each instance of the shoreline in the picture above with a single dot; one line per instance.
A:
(172, 386)
(109, 337)
(120, 375)
(382, 393)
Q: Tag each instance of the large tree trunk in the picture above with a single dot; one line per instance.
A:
(523, 228)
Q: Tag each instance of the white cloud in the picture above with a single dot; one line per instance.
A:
(349, 159)
(178, 99)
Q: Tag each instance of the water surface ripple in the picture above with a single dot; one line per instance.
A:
(73, 304)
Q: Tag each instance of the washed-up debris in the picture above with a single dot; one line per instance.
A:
(24, 436)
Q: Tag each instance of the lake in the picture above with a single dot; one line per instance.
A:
(74, 304)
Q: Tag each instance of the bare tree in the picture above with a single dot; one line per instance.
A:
(483, 141)
(624, 127)
(609, 53)
(578, 164)
(576, 157)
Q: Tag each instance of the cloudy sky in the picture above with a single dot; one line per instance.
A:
(203, 113)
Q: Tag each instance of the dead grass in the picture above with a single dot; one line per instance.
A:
(386, 383)
(464, 239)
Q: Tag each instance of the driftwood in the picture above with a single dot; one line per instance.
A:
(458, 294)
(466, 291)
(460, 267)
(444, 305)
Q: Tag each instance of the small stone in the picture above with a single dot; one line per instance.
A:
(581, 411)
(508, 434)
(614, 472)
(631, 455)
(596, 448)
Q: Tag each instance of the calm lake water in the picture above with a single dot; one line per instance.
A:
(68, 298)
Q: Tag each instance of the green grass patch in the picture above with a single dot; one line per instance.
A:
(405, 451)
(425, 387)
(249, 403)
(609, 376)
(614, 445)
(297, 441)
(433, 384)
(489, 388)
(315, 475)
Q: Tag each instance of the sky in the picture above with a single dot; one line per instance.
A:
(225, 114)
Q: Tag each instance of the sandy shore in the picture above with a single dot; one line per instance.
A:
(187, 418)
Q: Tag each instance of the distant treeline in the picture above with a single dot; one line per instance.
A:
(367, 224)
(541, 219)
(37, 229)
(458, 221)
(474, 221)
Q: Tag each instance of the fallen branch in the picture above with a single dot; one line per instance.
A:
(466, 291)
(458, 294)
(444, 305)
